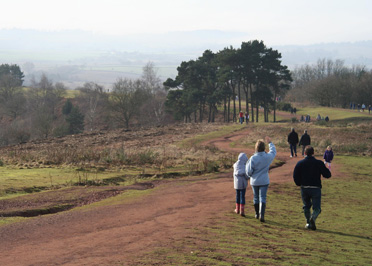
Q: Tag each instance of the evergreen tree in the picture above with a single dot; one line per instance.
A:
(75, 120)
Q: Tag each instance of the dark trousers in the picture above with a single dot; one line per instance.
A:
(311, 197)
(303, 149)
(293, 149)
(240, 196)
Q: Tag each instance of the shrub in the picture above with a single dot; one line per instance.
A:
(284, 106)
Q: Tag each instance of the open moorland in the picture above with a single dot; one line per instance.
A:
(164, 196)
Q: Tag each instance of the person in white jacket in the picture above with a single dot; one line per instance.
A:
(240, 183)
(257, 169)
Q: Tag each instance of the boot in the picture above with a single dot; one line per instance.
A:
(257, 210)
(307, 216)
(262, 212)
(313, 217)
(242, 210)
(237, 208)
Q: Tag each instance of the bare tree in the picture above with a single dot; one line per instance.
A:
(94, 100)
(155, 104)
(127, 98)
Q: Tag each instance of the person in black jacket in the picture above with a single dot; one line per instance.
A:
(304, 141)
(307, 174)
(293, 140)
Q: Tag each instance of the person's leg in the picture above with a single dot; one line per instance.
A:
(242, 196)
(237, 202)
(242, 202)
(256, 194)
(291, 147)
(263, 193)
(306, 200)
(316, 195)
(295, 149)
(303, 150)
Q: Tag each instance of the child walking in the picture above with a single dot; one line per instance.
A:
(240, 183)
(328, 157)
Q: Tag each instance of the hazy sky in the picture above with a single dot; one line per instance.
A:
(276, 22)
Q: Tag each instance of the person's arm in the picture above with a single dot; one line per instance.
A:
(249, 168)
(325, 171)
(272, 149)
(297, 175)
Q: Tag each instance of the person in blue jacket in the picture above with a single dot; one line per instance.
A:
(257, 170)
(307, 174)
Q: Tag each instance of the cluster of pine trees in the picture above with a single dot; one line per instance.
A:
(252, 72)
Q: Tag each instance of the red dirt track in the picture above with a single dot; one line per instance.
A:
(117, 234)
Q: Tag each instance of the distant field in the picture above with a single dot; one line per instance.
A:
(332, 113)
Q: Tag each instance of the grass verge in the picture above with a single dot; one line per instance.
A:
(343, 236)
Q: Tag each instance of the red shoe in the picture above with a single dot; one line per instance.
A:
(237, 208)
(242, 210)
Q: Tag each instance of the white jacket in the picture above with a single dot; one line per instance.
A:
(240, 177)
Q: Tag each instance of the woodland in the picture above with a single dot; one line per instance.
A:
(212, 87)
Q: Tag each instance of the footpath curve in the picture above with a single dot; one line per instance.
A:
(117, 234)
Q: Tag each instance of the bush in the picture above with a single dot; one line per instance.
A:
(1, 163)
(284, 106)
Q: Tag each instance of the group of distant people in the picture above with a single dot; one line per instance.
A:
(307, 174)
(243, 117)
(361, 107)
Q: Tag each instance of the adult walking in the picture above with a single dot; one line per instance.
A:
(241, 117)
(257, 169)
(307, 174)
(304, 141)
(293, 140)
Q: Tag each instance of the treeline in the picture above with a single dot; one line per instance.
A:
(47, 109)
(252, 72)
(331, 83)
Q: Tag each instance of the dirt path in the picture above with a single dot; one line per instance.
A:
(113, 235)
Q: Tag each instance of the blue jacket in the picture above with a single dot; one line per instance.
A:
(307, 172)
(240, 177)
(328, 156)
(258, 166)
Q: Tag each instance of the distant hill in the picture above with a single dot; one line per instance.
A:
(74, 57)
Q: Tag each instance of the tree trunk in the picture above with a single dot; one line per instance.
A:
(274, 106)
(228, 109)
(234, 104)
(252, 110)
(257, 109)
(224, 110)
(239, 96)
(246, 100)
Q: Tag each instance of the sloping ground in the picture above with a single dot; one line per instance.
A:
(50, 151)
(118, 234)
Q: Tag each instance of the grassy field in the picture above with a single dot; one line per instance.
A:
(332, 113)
(343, 236)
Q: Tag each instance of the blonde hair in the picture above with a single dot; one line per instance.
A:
(329, 148)
(260, 145)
